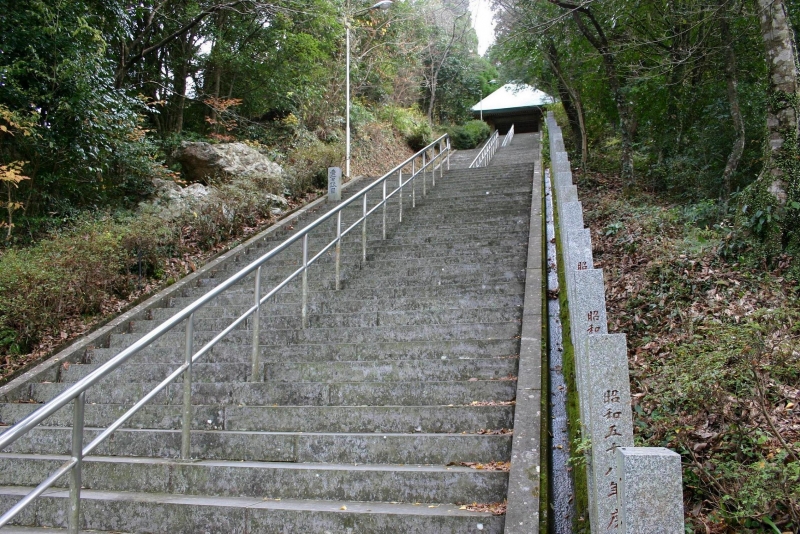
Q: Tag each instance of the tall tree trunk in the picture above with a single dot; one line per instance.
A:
(433, 96)
(597, 38)
(736, 111)
(216, 65)
(626, 120)
(180, 95)
(573, 104)
(779, 168)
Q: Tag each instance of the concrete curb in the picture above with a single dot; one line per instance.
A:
(522, 513)
(48, 370)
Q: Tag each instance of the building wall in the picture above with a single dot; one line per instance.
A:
(524, 122)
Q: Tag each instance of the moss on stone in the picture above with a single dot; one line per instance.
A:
(579, 474)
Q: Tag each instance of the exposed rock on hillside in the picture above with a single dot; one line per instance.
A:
(202, 161)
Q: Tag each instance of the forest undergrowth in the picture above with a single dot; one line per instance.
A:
(714, 353)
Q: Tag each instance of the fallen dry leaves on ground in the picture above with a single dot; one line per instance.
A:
(494, 508)
(714, 349)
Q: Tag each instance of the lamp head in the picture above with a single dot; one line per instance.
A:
(383, 4)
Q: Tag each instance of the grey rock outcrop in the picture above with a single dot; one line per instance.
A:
(202, 161)
(244, 170)
(170, 200)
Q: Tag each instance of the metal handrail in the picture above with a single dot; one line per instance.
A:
(487, 152)
(439, 150)
(509, 136)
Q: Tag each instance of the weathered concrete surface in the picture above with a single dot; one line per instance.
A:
(524, 483)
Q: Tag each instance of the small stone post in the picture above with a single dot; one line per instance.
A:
(649, 491)
(334, 184)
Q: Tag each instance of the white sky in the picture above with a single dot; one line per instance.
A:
(483, 23)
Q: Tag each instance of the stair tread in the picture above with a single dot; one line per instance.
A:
(353, 507)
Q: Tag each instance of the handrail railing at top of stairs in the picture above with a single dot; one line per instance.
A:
(440, 152)
(509, 136)
(487, 152)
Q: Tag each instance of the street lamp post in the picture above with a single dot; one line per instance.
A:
(481, 89)
(384, 4)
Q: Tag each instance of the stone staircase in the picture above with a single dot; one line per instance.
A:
(372, 419)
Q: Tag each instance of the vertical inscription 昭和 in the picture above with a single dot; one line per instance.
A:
(593, 318)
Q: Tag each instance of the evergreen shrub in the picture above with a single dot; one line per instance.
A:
(469, 135)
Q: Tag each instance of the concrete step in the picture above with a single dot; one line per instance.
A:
(337, 320)
(149, 512)
(342, 306)
(176, 338)
(355, 448)
(338, 419)
(428, 393)
(355, 371)
(372, 279)
(397, 284)
(404, 287)
(436, 246)
(418, 230)
(323, 297)
(274, 480)
(351, 259)
(326, 352)
(45, 530)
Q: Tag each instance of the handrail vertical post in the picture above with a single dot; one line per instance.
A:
(413, 188)
(384, 209)
(186, 424)
(304, 307)
(424, 173)
(435, 159)
(338, 253)
(400, 186)
(254, 355)
(75, 480)
(364, 230)
(448, 153)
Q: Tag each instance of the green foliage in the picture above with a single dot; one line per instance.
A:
(410, 123)
(74, 274)
(469, 135)
(310, 164)
(86, 147)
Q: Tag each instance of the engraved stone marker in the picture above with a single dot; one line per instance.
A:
(560, 161)
(570, 216)
(587, 318)
(334, 184)
(631, 490)
(577, 255)
(612, 424)
(563, 178)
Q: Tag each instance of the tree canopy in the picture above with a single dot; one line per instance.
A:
(682, 94)
(96, 94)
